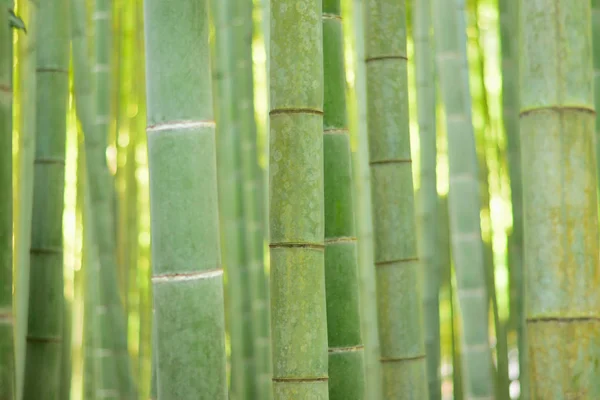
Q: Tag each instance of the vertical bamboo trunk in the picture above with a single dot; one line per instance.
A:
(298, 306)
(396, 263)
(464, 202)
(27, 86)
(428, 199)
(365, 221)
(230, 200)
(7, 321)
(346, 350)
(187, 273)
(596, 44)
(46, 283)
(114, 336)
(243, 94)
(559, 199)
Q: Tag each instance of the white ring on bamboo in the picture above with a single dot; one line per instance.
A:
(100, 15)
(180, 125)
(101, 68)
(213, 273)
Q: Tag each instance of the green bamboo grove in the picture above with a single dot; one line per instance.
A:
(299, 199)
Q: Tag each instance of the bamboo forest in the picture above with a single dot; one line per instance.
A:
(299, 200)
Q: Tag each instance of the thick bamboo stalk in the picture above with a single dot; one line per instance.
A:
(187, 273)
(364, 221)
(27, 92)
(464, 202)
(7, 320)
(44, 330)
(298, 307)
(399, 299)
(428, 199)
(346, 350)
(596, 44)
(559, 198)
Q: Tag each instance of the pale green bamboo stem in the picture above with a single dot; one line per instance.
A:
(187, 272)
(464, 202)
(243, 109)
(396, 263)
(230, 201)
(27, 84)
(7, 320)
(44, 338)
(596, 44)
(508, 13)
(346, 350)
(428, 199)
(298, 307)
(368, 296)
(559, 198)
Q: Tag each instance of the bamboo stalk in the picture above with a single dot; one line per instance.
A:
(346, 350)
(428, 199)
(298, 307)
(7, 320)
(396, 262)
(44, 336)
(187, 273)
(559, 198)
(464, 201)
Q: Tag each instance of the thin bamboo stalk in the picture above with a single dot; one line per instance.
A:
(7, 320)
(464, 201)
(346, 350)
(428, 199)
(44, 329)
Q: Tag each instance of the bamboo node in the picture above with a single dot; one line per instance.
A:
(340, 239)
(44, 339)
(300, 380)
(297, 245)
(559, 108)
(566, 320)
(192, 276)
(350, 349)
(397, 261)
(336, 131)
(277, 111)
(49, 160)
(332, 16)
(387, 57)
(417, 357)
(50, 69)
(391, 161)
(173, 125)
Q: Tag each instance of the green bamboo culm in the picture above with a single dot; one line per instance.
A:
(113, 339)
(428, 196)
(560, 199)
(596, 44)
(7, 349)
(44, 336)
(243, 109)
(364, 219)
(346, 350)
(396, 262)
(230, 198)
(298, 306)
(187, 273)
(464, 201)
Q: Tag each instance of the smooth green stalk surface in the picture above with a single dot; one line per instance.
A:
(230, 200)
(187, 273)
(464, 202)
(346, 350)
(7, 321)
(27, 85)
(428, 199)
(364, 213)
(559, 199)
(596, 44)
(399, 301)
(298, 306)
(243, 109)
(113, 338)
(44, 329)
